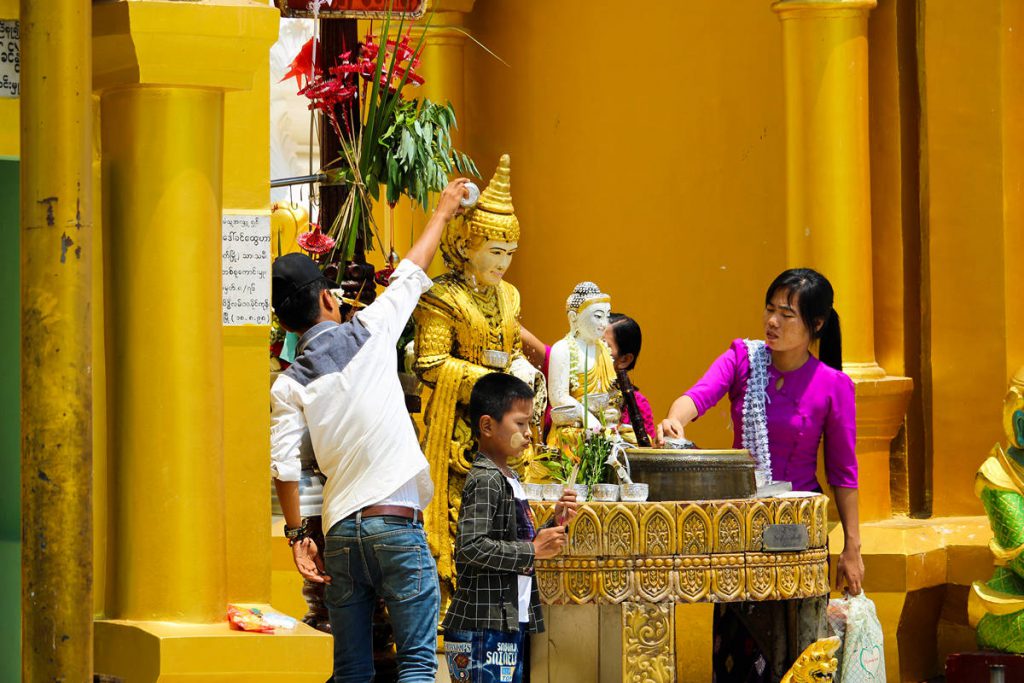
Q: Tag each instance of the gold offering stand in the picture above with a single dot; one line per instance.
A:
(649, 557)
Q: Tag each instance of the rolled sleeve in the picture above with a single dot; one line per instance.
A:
(287, 428)
(841, 435)
(392, 309)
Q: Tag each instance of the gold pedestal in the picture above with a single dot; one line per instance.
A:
(167, 652)
(881, 408)
(640, 580)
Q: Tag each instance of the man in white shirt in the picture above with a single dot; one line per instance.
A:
(343, 391)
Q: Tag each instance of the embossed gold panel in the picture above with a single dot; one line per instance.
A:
(728, 530)
(622, 533)
(694, 530)
(658, 530)
(706, 551)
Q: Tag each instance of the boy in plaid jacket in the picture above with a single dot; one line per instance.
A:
(496, 602)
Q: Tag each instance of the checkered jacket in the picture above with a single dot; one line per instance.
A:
(489, 558)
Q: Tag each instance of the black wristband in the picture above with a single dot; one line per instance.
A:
(296, 534)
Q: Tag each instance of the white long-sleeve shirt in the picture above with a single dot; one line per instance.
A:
(343, 389)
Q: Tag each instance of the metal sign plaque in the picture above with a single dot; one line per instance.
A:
(785, 538)
(352, 9)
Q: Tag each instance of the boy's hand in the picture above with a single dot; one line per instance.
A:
(451, 198)
(549, 542)
(566, 507)
(308, 561)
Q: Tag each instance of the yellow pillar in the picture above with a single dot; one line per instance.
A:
(825, 56)
(56, 251)
(178, 507)
(163, 221)
(828, 209)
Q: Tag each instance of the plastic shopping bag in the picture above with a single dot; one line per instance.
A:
(862, 656)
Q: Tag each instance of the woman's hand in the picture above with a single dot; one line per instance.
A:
(682, 413)
(850, 570)
(670, 428)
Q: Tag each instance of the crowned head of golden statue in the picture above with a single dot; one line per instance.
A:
(480, 243)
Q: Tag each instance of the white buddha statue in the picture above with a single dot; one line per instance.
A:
(581, 366)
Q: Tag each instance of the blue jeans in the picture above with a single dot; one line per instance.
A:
(386, 557)
(485, 656)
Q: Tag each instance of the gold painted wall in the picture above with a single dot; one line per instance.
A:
(648, 156)
(970, 198)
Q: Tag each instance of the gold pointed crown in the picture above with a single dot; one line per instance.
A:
(494, 217)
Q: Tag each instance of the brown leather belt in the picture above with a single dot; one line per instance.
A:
(392, 511)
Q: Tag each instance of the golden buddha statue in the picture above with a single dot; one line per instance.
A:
(816, 664)
(467, 325)
(581, 372)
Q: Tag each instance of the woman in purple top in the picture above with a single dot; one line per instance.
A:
(802, 401)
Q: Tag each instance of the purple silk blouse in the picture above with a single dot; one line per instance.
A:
(814, 401)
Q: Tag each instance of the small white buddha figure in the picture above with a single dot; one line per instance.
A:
(581, 369)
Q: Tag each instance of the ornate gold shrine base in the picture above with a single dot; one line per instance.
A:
(639, 564)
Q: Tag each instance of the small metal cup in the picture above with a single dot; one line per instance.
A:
(606, 493)
(534, 491)
(494, 358)
(552, 492)
(567, 416)
(582, 492)
(634, 493)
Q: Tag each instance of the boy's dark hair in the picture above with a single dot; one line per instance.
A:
(493, 395)
(627, 336)
(300, 311)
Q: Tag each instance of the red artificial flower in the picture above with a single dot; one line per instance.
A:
(302, 66)
(324, 94)
(405, 62)
(315, 241)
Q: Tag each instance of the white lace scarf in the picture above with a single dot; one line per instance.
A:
(755, 419)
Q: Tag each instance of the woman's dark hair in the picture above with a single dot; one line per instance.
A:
(300, 311)
(627, 336)
(493, 395)
(814, 293)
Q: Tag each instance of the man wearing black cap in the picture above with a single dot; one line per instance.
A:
(342, 393)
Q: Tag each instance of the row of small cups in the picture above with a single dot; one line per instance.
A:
(601, 493)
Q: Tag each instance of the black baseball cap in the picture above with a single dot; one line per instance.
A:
(292, 273)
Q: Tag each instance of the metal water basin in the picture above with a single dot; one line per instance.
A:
(693, 474)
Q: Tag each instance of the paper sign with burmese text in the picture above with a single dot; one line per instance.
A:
(245, 261)
(10, 58)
